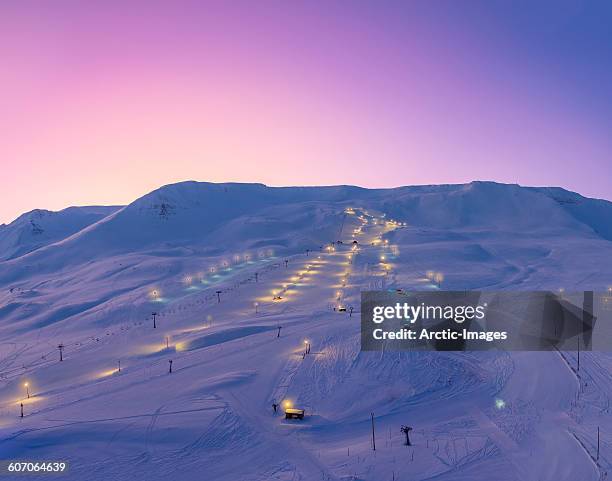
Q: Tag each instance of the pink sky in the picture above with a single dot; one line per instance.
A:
(102, 103)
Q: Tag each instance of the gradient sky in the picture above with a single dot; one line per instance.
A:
(101, 102)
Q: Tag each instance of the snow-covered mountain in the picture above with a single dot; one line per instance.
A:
(188, 227)
(39, 228)
(204, 214)
(200, 256)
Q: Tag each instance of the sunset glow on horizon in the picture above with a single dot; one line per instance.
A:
(103, 102)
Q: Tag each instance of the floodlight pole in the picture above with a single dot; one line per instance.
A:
(578, 352)
(373, 434)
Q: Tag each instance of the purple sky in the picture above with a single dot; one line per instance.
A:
(105, 101)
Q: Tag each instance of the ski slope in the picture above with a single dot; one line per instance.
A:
(242, 278)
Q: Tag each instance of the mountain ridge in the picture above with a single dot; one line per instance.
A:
(184, 212)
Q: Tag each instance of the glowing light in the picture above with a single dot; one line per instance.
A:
(147, 349)
(30, 400)
(287, 404)
(500, 404)
(107, 373)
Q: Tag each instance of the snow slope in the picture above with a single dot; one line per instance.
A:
(201, 255)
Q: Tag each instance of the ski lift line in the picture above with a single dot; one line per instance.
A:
(141, 368)
(212, 296)
(132, 416)
(586, 451)
(568, 364)
(42, 361)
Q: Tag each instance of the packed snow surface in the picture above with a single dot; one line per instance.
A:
(240, 285)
